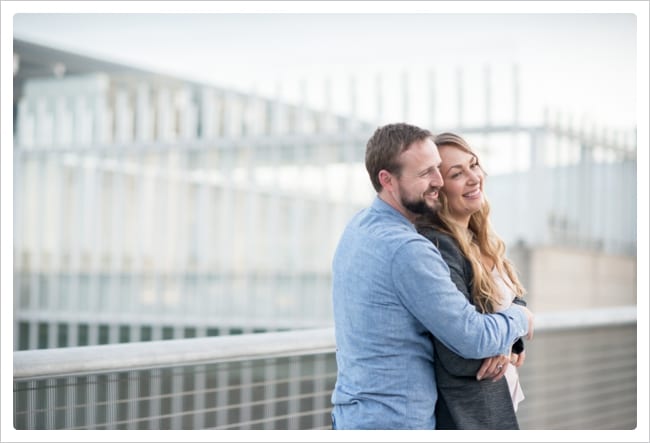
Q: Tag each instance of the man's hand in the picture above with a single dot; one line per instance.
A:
(531, 321)
(493, 368)
(517, 359)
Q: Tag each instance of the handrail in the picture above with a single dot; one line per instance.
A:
(40, 363)
(585, 318)
(59, 362)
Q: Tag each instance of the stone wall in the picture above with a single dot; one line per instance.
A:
(561, 278)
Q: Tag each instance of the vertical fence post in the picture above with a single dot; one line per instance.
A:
(459, 98)
(433, 98)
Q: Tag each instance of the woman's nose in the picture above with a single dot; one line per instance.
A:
(475, 177)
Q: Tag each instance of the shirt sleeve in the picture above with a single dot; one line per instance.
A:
(424, 286)
(461, 276)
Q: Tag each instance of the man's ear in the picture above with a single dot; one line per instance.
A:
(386, 179)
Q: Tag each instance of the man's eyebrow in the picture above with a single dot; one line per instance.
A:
(429, 169)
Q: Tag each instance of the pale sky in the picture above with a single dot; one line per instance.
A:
(584, 64)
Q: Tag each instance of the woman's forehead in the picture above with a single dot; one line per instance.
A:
(454, 151)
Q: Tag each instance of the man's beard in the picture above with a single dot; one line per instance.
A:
(420, 206)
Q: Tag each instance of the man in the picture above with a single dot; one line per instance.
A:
(392, 291)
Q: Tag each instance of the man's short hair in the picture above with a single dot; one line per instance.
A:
(385, 146)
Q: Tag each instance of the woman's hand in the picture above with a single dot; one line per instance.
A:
(493, 368)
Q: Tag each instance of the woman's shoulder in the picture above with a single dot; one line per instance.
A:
(439, 238)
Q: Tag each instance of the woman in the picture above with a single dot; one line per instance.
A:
(476, 257)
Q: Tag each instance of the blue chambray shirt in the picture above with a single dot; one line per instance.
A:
(391, 290)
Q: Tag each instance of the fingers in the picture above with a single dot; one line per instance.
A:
(493, 368)
(485, 368)
(518, 359)
(501, 368)
(514, 359)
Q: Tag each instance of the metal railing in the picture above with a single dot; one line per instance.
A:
(580, 373)
(239, 233)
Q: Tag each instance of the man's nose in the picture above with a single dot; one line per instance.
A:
(436, 178)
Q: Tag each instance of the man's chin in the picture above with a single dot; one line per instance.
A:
(422, 208)
(433, 204)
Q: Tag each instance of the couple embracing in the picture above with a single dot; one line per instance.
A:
(428, 311)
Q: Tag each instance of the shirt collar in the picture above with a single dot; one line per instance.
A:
(382, 207)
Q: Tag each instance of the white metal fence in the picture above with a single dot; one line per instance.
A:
(148, 210)
(580, 373)
(151, 243)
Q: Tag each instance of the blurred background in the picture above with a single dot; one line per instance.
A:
(187, 176)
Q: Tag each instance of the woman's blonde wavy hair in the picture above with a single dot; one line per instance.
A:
(479, 239)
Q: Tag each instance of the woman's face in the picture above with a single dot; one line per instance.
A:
(463, 185)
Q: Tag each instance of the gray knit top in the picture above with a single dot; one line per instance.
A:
(463, 401)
